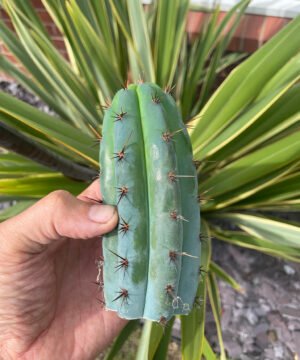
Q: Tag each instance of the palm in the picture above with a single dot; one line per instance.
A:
(54, 307)
(73, 313)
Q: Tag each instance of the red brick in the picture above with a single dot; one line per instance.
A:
(242, 28)
(59, 43)
(254, 26)
(3, 14)
(4, 48)
(220, 19)
(53, 30)
(64, 54)
(247, 36)
(4, 77)
(195, 21)
(44, 16)
(11, 58)
(37, 4)
(271, 26)
(9, 24)
(236, 43)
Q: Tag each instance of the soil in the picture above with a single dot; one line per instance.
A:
(263, 323)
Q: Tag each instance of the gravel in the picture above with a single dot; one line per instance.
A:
(19, 92)
(263, 323)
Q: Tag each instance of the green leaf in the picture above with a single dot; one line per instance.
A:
(38, 185)
(170, 28)
(192, 325)
(286, 74)
(253, 166)
(141, 38)
(271, 229)
(129, 328)
(215, 302)
(103, 64)
(162, 350)
(208, 48)
(54, 69)
(207, 351)
(149, 342)
(50, 126)
(251, 242)
(132, 21)
(223, 275)
(13, 165)
(15, 209)
(24, 145)
(252, 114)
(243, 84)
(268, 127)
(284, 189)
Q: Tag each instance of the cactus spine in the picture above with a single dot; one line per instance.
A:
(151, 260)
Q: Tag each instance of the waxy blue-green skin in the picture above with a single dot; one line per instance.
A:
(154, 285)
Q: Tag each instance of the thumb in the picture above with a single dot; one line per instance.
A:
(56, 216)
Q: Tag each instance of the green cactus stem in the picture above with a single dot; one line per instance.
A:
(151, 261)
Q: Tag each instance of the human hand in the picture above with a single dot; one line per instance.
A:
(48, 301)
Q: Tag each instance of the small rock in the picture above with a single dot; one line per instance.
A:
(256, 281)
(261, 328)
(278, 351)
(234, 349)
(290, 311)
(226, 318)
(251, 317)
(296, 285)
(262, 340)
(296, 336)
(245, 357)
(269, 354)
(239, 304)
(289, 270)
(262, 310)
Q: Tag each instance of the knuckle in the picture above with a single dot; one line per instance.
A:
(58, 198)
(57, 204)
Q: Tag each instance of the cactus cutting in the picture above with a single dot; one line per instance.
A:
(152, 260)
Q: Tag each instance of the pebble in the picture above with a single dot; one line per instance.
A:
(289, 270)
(251, 317)
(264, 323)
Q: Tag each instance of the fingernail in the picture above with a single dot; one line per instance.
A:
(101, 213)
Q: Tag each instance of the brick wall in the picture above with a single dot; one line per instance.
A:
(50, 26)
(253, 31)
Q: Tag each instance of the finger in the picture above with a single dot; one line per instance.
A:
(56, 216)
(92, 193)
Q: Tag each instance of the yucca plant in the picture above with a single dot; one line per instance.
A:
(245, 137)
